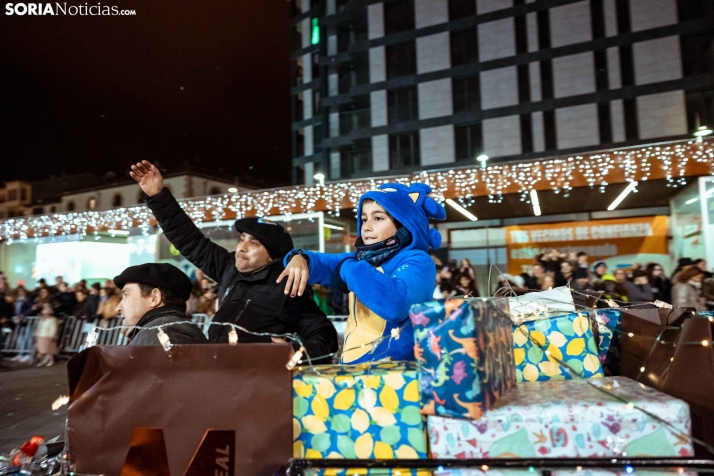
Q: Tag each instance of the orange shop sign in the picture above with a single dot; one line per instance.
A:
(600, 239)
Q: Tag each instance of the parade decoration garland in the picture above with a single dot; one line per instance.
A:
(671, 161)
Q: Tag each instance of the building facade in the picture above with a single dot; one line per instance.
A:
(389, 87)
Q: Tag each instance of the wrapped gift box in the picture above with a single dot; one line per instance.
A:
(358, 411)
(540, 345)
(570, 418)
(609, 322)
(464, 351)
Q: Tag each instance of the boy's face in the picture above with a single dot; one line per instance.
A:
(376, 224)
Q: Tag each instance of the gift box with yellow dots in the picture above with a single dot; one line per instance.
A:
(365, 411)
(608, 417)
(557, 348)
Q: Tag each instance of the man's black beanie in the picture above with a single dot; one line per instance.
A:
(158, 275)
(272, 235)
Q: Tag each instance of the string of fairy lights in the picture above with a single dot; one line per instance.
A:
(669, 161)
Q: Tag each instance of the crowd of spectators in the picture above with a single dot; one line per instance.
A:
(690, 285)
(94, 304)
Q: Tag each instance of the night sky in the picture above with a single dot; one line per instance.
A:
(206, 82)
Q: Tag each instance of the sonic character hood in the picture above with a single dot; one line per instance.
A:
(412, 207)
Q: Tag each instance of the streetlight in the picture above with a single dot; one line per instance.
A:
(320, 177)
(701, 131)
(232, 190)
(483, 158)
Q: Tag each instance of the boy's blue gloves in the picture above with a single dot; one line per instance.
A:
(338, 285)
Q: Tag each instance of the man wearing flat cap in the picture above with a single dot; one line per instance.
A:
(249, 294)
(155, 294)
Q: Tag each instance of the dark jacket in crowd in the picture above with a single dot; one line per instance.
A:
(662, 288)
(639, 292)
(188, 333)
(65, 303)
(92, 305)
(269, 309)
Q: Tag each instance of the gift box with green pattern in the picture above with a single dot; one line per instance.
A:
(542, 349)
(361, 411)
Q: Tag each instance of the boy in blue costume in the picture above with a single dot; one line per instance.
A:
(390, 271)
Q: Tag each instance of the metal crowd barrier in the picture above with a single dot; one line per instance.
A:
(72, 333)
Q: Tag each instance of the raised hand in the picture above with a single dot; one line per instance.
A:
(148, 177)
(297, 272)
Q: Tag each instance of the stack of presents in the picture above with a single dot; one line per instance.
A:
(519, 377)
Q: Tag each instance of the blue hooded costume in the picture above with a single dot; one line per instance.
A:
(380, 296)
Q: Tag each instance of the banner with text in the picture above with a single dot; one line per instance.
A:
(638, 239)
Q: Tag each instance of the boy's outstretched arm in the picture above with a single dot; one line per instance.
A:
(391, 296)
(319, 270)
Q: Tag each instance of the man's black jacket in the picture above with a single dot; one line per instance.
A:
(269, 309)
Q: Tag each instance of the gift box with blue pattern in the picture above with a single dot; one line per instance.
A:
(609, 323)
(541, 347)
(361, 411)
(464, 351)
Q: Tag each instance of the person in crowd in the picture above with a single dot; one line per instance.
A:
(548, 282)
(198, 284)
(686, 290)
(620, 277)
(611, 288)
(248, 288)
(93, 299)
(566, 273)
(437, 285)
(153, 295)
(507, 283)
(65, 299)
(465, 267)
(446, 290)
(7, 306)
(446, 275)
(466, 286)
(43, 296)
(708, 292)
(205, 303)
(702, 264)
(41, 284)
(681, 264)
(82, 308)
(581, 279)
(639, 289)
(390, 271)
(536, 281)
(660, 284)
(599, 270)
(46, 335)
(108, 301)
(581, 260)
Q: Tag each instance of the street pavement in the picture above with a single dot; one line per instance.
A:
(26, 397)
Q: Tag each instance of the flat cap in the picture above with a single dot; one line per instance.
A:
(272, 235)
(158, 275)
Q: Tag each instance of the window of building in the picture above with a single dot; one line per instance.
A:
(38, 211)
(464, 47)
(468, 141)
(403, 105)
(315, 31)
(70, 206)
(297, 72)
(299, 143)
(355, 158)
(466, 94)
(461, 9)
(117, 200)
(23, 194)
(317, 136)
(53, 209)
(404, 150)
(354, 73)
(315, 66)
(398, 16)
(297, 6)
(12, 195)
(315, 102)
(296, 37)
(355, 115)
(299, 174)
(299, 108)
(91, 203)
(215, 190)
(141, 197)
(401, 59)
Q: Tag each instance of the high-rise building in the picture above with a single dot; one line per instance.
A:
(388, 87)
